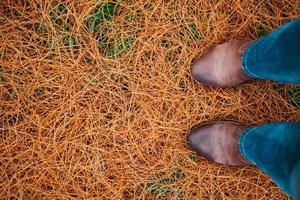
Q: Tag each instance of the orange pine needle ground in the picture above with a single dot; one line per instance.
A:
(96, 99)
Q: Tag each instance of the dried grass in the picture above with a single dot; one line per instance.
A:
(84, 120)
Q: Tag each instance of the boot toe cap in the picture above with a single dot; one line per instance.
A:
(198, 139)
(201, 70)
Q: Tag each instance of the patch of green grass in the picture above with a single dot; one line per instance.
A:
(2, 79)
(62, 8)
(104, 13)
(189, 33)
(293, 96)
(164, 187)
(100, 21)
(173, 54)
(59, 18)
(63, 40)
(262, 31)
(118, 45)
(49, 44)
(39, 90)
(175, 71)
(41, 30)
(129, 18)
(193, 31)
(192, 157)
(70, 41)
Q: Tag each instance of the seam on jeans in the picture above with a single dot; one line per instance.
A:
(245, 64)
(241, 143)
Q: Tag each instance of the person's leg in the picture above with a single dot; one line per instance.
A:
(276, 56)
(273, 57)
(275, 149)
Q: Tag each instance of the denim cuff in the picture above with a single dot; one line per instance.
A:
(245, 66)
(242, 138)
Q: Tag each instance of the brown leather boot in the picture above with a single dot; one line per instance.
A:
(222, 65)
(218, 141)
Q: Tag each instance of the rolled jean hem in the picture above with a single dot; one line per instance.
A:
(245, 67)
(241, 142)
(242, 138)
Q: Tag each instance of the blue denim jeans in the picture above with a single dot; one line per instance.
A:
(277, 56)
(275, 147)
